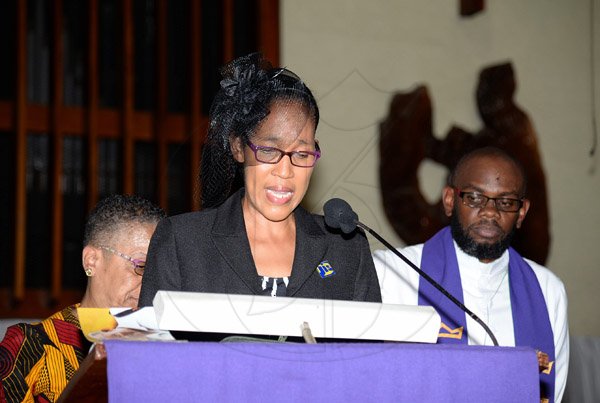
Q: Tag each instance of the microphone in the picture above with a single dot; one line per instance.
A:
(339, 214)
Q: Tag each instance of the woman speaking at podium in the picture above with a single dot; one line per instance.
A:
(252, 236)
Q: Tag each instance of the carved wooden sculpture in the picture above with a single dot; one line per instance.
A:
(406, 139)
(469, 8)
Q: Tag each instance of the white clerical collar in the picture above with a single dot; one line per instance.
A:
(477, 268)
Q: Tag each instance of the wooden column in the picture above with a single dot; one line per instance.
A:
(20, 230)
(268, 30)
(128, 98)
(196, 129)
(161, 105)
(56, 234)
(92, 112)
(228, 50)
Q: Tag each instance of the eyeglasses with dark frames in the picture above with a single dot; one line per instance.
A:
(138, 264)
(272, 155)
(479, 200)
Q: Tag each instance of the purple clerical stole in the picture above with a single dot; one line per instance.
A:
(530, 315)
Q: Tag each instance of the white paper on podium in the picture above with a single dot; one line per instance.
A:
(283, 316)
(141, 319)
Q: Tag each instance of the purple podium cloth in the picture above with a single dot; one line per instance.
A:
(263, 372)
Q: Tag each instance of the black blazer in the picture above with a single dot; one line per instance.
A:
(208, 251)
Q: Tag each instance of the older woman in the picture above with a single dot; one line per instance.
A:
(256, 238)
(38, 360)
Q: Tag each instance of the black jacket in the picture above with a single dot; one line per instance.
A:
(208, 251)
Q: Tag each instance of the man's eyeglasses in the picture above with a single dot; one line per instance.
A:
(272, 155)
(478, 200)
(138, 264)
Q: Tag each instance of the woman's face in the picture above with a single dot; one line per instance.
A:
(114, 282)
(273, 191)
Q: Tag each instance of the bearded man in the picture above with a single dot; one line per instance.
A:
(522, 302)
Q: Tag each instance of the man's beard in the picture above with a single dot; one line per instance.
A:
(481, 251)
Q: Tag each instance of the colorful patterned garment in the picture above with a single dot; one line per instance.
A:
(38, 360)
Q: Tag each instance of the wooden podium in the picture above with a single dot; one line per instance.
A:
(89, 384)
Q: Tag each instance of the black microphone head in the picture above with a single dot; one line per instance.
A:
(339, 214)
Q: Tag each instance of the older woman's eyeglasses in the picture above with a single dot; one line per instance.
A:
(272, 155)
(138, 264)
(479, 200)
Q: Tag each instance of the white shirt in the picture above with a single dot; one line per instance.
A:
(486, 292)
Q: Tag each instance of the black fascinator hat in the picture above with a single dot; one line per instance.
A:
(249, 86)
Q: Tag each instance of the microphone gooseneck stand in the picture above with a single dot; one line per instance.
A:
(430, 280)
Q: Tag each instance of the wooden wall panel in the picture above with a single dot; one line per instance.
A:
(161, 104)
(228, 48)
(56, 232)
(7, 115)
(195, 128)
(95, 123)
(20, 154)
(268, 29)
(128, 98)
(92, 112)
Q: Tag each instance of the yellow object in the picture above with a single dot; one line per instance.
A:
(95, 320)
